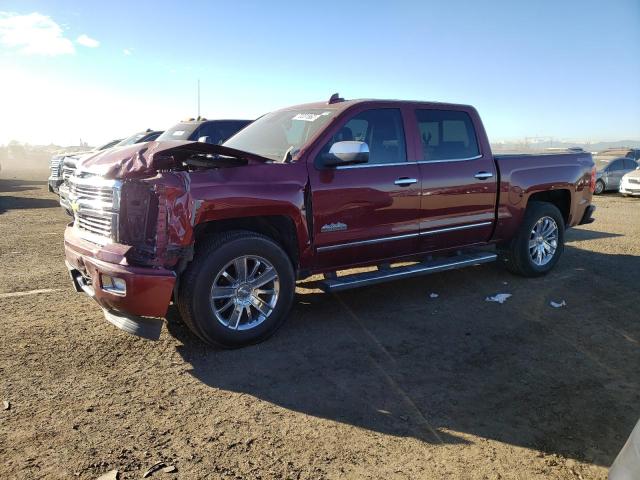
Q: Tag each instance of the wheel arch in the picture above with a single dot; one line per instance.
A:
(280, 228)
(561, 198)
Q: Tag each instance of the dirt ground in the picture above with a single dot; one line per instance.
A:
(379, 382)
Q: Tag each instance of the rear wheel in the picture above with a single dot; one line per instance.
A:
(599, 187)
(237, 290)
(537, 246)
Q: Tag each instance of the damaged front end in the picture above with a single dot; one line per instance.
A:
(133, 226)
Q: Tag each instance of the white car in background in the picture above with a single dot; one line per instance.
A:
(630, 184)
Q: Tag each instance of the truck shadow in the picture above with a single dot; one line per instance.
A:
(19, 203)
(579, 234)
(14, 185)
(390, 359)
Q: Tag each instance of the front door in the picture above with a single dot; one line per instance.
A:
(366, 212)
(459, 181)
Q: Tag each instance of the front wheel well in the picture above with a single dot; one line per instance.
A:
(560, 198)
(279, 228)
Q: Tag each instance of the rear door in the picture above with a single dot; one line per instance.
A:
(459, 180)
(366, 212)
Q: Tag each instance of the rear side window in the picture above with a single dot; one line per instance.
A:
(381, 129)
(630, 164)
(447, 135)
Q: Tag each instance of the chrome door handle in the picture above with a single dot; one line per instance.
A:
(404, 181)
(483, 175)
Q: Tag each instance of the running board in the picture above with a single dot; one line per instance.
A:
(378, 276)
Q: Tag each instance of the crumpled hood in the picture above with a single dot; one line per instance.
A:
(145, 159)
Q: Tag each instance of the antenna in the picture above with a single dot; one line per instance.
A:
(198, 99)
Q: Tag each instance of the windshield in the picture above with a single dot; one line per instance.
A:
(276, 133)
(181, 131)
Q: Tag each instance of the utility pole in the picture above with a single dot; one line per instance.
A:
(198, 99)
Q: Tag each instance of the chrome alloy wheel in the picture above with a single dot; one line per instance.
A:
(543, 241)
(245, 292)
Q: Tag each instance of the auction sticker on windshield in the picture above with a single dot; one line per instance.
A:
(309, 117)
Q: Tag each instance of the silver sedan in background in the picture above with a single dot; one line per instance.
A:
(608, 177)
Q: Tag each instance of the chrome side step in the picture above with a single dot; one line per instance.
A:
(384, 275)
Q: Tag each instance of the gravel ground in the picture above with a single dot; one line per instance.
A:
(380, 382)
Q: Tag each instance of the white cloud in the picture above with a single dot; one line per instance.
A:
(87, 41)
(33, 34)
(128, 51)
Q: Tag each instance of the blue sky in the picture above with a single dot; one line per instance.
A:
(97, 70)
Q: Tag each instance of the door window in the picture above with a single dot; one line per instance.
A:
(447, 135)
(615, 166)
(381, 129)
(630, 164)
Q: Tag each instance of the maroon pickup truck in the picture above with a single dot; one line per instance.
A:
(224, 231)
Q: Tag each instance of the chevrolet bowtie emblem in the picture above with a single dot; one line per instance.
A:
(74, 206)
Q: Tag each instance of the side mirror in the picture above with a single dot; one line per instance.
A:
(204, 139)
(345, 153)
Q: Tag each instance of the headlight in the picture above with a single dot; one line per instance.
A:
(138, 219)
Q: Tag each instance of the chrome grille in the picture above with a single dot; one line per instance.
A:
(54, 165)
(93, 193)
(633, 180)
(95, 202)
(97, 224)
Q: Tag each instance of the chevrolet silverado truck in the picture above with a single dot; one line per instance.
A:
(224, 231)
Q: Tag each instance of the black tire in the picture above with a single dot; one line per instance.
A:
(194, 295)
(599, 190)
(516, 256)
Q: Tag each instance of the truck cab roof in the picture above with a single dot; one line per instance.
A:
(341, 104)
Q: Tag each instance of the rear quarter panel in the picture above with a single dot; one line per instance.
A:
(521, 176)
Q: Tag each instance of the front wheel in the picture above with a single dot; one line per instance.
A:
(237, 290)
(539, 242)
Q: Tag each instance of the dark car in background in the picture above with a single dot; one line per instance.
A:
(609, 176)
(203, 130)
(633, 153)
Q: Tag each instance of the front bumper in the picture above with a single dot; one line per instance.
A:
(587, 216)
(628, 188)
(148, 290)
